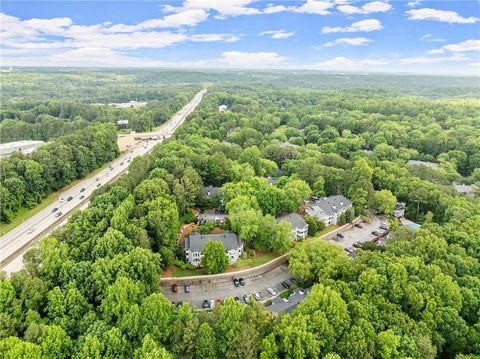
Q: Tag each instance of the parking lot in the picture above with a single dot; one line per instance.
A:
(221, 289)
(354, 234)
(281, 305)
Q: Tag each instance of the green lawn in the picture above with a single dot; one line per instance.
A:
(324, 231)
(26, 213)
(259, 259)
(178, 272)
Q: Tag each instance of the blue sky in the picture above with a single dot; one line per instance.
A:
(337, 35)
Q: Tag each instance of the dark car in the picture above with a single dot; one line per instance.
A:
(375, 233)
(82, 190)
(340, 235)
(205, 304)
(293, 280)
(384, 226)
(54, 210)
(99, 184)
(121, 163)
(187, 289)
(357, 245)
(174, 288)
(81, 197)
(285, 285)
(241, 281)
(236, 283)
(237, 299)
(358, 225)
(69, 198)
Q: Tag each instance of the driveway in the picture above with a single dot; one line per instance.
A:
(221, 289)
(281, 306)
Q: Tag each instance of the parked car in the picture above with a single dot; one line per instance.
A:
(218, 301)
(30, 230)
(205, 304)
(301, 291)
(271, 291)
(358, 225)
(357, 245)
(58, 214)
(241, 281)
(375, 233)
(187, 289)
(237, 299)
(174, 288)
(236, 283)
(384, 226)
(286, 299)
(293, 280)
(212, 304)
(54, 209)
(285, 285)
(350, 249)
(69, 198)
(340, 235)
(82, 189)
(257, 295)
(246, 299)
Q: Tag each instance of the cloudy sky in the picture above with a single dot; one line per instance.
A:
(340, 35)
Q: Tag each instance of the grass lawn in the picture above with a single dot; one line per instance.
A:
(178, 272)
(259, 259)
(325, 231)
(25, 213)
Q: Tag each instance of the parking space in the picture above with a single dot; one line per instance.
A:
(286, 305)
(221, 289)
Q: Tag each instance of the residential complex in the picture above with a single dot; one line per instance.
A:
(329, 209)
(299, 226)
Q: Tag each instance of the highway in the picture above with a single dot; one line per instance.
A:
(16, 242)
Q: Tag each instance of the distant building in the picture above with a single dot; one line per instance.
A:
(122, 123)
(299, 226)
(195, 243)
(423, 163)
(212, 194)
(329, 209)
(130, 104)
(468, 190)
(222, 108)
(6, 149)
(399, 210)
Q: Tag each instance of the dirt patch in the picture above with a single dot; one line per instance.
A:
(127, 141)
(167, 272)
(217, 230)
(185, 231)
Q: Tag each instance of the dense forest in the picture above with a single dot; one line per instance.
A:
(26, 179)
(91, 289)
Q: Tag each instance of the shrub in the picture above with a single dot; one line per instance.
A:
(251, 253)
(188, 217)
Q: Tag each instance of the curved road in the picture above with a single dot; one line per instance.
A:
(16, 242)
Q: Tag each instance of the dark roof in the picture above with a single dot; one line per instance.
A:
(211, 191)
(196, 241)
(294, 219)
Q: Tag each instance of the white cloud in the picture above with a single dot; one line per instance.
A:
(414, 3)
(451, 17)
(374, 6)
(359, 26)
(432, 60)
(277, 34)
(347, 64)
(317, 7)
(354, 41)
(428, 37)
(251, 59)
(465, 46)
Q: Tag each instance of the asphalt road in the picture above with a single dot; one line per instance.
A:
(221, 289)
(17, 241)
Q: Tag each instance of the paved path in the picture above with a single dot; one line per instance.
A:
(16, 242)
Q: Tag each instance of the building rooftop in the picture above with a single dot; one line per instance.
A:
(294, 219)
(196, 241)
(329, 205)
(423, 163)
(22, 146)
(211, 191)
(463, 188)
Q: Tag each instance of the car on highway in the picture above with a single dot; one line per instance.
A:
(30, 230)
(174, 288)
(271, 291)
(69, 198)
(257, 295)
(62, 200)
(111, 168)
(97, 179)
(99, 184)
(121, 163)
(212, 304)
(236, 283)
(82, 189)
(246, 299)
(285, 285)
(81, 197)
(187, 288)
(205, 304)
(58, 214)
(241, 281)
(54, 209)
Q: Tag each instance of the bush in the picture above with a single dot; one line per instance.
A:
(244, 255)
(188, 217)
(320, 224)
(287, 293)
(206, 228)
(251, 253)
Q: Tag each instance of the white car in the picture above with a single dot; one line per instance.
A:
(30, 230)
(301, 292)
(256, 295)
(271, 291)
(62, 200)
(212, 303)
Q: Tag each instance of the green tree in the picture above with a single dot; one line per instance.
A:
(214, 259)
(206, 342)
(383, 201)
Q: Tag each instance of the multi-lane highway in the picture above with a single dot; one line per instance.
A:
(16, 242)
